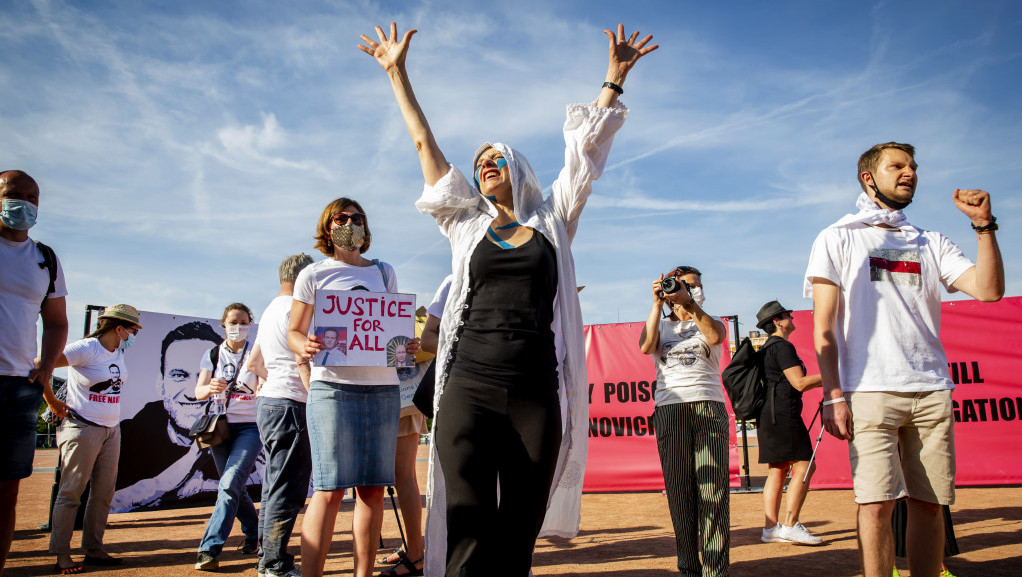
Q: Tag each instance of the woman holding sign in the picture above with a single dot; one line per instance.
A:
(511, 348)
(352, 411)
(223, 377)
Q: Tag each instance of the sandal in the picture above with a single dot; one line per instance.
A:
(411, 568)
(392, 557)
(72, 570)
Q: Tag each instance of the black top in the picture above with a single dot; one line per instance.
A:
(778, 356)
(506, 336)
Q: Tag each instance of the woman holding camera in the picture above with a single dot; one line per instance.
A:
(89, 436)
(690, 419)
(783, 438)
(232, 387)
(352, 412)
(511, 348)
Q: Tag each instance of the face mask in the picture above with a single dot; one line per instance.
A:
(18, 214)
(697, 295)
(237, 333)
(125, 345)
(348, 236)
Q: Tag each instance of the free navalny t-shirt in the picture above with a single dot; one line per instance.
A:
(94, 380)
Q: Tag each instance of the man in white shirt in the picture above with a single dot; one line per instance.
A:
(875, 283)
(31, 285)
(280, 415)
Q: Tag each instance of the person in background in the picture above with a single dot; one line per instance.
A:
(691, 421)
(32, 287)
(236, 456)
(411, 426)
(353, 412)
(89, 435)
(783, 438)
(280, 414)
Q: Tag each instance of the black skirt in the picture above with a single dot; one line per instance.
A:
(783, 441)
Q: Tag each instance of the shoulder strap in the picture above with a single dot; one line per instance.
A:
(50, 264)
(214, 357)
(383, 273)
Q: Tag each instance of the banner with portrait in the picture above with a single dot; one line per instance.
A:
(159, 466)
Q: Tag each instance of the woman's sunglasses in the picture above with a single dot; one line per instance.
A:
(342, 218)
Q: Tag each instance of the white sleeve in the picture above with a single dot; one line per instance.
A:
(952, 263)
(305, 286)
(205, 364)
(79, 352)
(823, 261)
(452, 200)
(588, 134)
(436, 308)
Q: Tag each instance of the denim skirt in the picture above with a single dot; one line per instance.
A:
(353, 434)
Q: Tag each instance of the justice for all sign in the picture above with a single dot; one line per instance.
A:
(364, 329)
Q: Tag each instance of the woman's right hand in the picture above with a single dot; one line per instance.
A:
(388, 51)
(656, 290)
(217, 386)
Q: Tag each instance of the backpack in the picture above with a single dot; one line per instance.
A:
(50, 264)
(745, 382)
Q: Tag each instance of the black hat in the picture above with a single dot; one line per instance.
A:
(767, 313)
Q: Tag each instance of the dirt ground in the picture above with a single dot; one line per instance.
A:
(622, 535)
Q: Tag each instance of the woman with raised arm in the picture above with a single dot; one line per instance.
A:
(511, 352)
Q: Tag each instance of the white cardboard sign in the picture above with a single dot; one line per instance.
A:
(364, 329)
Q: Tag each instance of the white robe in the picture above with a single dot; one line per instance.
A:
(464, 215)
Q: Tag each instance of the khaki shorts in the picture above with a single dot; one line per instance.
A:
(923, 425)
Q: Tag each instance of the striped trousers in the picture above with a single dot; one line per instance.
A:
(692, 439)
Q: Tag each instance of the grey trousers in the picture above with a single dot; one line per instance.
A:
(692, 439)
(87, 453)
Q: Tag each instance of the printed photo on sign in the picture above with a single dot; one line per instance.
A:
(159, 466)
(335, 347)
(397, 352)
(375, 327)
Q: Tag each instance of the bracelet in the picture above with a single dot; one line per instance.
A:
(614, 87)
(834, 401)
(988, 228)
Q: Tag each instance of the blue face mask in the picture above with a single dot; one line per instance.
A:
(18, 214)
(125, 345)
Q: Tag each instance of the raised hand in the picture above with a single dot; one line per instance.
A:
(389, 52)
(975, 204)
(625, 52)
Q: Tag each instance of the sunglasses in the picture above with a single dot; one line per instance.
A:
(342, 218)
(688, 270)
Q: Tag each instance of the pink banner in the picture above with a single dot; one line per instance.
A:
(622, 448)
(984, 350)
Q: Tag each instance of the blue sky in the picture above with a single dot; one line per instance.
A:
(184, 148)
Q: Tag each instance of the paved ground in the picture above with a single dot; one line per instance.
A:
(623, 535)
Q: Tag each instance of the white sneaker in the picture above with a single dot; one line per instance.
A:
(773, 535)
(799, 534)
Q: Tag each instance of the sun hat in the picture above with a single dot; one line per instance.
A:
(121, 312)
(767, 313)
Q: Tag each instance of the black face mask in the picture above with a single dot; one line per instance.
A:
(883, 198)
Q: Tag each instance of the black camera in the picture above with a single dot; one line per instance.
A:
(671, 285)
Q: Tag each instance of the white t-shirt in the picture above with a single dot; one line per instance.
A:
(23, 285)
(687, 367)
(888, 325)
(282, 380)
(331, 274)
(94, 380)
(241, 384)
(436, 308)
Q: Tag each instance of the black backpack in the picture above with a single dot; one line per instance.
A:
(745, 382)
(50, 265)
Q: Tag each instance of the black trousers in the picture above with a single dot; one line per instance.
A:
(486, 433)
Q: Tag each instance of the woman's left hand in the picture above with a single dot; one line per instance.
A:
(414, 346)
(625, 52)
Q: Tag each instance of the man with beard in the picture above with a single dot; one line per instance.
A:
(875, 283)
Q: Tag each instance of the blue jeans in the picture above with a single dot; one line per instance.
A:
(19, 412)
(234, 461)
(285, 477)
